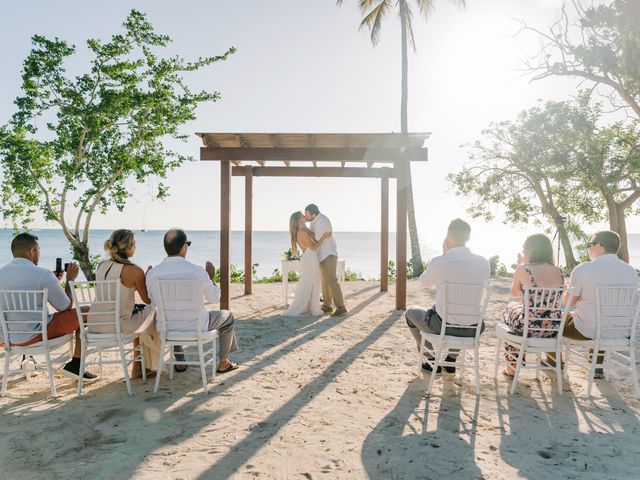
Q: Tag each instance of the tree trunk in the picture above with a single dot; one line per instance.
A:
(618, 223)
(416, 258)
(569, 258)
(81, 255)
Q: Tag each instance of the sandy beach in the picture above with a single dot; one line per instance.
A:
(324, 398)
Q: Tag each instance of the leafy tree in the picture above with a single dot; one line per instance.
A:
(374, 12)
(608, 163)
(73, 142)
(602, 47)
(522, 166)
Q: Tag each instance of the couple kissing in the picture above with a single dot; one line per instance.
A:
(318, 265)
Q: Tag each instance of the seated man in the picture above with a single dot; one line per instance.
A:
(22, 273)
(176, 267)
(605, 268)
(456, 265)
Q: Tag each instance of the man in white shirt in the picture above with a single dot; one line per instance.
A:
(23, 273)
(328, 257)
(176, 267)
(605, 268)
(456, 265)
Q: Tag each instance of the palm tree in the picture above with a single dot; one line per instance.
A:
(374, 12)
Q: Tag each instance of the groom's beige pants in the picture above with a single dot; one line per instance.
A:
(331, 292)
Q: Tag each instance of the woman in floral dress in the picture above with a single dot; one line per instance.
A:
(536, 268)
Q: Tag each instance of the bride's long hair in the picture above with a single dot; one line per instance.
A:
(293, 232)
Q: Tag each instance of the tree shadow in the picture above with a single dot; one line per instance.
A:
(408, 442)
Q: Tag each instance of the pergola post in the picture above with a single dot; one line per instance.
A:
(401, 236)
(225, 233)
(248, 228)
(384, 231)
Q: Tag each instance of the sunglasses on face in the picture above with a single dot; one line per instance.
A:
(188, 243)
(591, 244)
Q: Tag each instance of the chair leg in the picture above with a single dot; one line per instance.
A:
(83, 353)
(592, 371)
(160, 365)
(634, 370)
(436, 364)
(214, 358)
(496, 362)
(100, 361)
(514, 382)
(203, 370)
(172, 360)
(123, 361)
(141, 359)
(559, 370)
(476, 366)
(5, 377)
(52, 380)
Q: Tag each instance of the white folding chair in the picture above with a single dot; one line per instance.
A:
(180, 316)
(617, 313)
(462, 302)
(26, 311)
(98, 302)
(534, 345)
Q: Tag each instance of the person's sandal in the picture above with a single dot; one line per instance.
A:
(178, 353)
(230, 366)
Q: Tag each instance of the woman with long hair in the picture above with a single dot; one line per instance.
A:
(536, 268)
(134, 318)
(307, 296)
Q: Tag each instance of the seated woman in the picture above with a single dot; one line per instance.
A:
(536, 269)
(134, 318)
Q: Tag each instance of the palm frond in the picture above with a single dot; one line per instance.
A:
(373, 20)
(428, 6)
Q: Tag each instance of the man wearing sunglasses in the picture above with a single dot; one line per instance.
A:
(604, 269)
(176, 267)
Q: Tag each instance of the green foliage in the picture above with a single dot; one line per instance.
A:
(352, 276)
(75, 142)
(602, 47)
(288, 255)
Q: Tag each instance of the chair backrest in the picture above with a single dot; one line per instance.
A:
(617, 310)
(545, 311)
(180, 305)
(98, 304)
(23, 312)
(466, 303)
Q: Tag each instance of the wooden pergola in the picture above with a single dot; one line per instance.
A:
(378, 155)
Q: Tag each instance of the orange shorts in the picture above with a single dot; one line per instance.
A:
(61, 324)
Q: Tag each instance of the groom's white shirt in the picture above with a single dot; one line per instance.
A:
(319, 226)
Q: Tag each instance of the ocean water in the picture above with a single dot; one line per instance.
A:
(361, 250)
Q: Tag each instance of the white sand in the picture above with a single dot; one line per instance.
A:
(324, 398)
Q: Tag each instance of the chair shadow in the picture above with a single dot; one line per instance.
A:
(105, 441)
(568, 436)
(407, 441)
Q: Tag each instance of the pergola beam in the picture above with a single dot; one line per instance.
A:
(315, 154)
(347, 172)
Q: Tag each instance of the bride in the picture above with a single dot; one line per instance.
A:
(307, 298)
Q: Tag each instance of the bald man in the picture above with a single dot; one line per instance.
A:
(176, 267)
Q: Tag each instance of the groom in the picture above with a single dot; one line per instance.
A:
(328, 256)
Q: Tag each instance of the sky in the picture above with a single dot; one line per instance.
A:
(304, 66)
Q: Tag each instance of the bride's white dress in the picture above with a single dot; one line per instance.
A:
(307, 298)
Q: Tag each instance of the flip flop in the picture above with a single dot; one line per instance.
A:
(230, 366)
